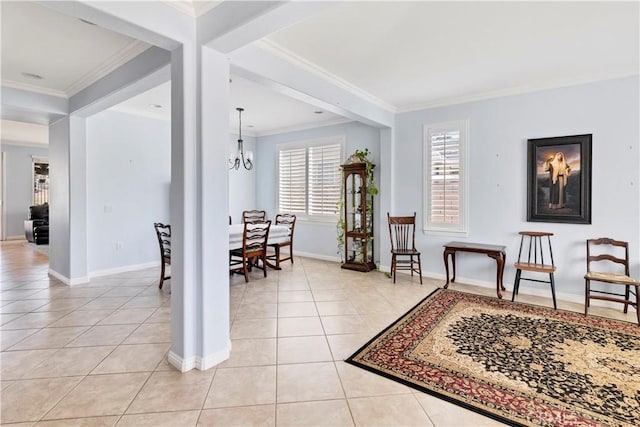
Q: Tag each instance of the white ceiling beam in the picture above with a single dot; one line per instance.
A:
(149, 69)
(283, 76)
(234, 24)
(32, 107)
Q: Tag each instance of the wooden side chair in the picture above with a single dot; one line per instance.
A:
(163, 232)
(532, 259)
(288, 220)
(253, 216)
(606, 255)
(254, 248)
(402, 232)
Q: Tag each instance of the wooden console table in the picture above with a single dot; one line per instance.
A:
(496, 252)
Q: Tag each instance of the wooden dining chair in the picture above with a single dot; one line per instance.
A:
(163, 232)
(254, 249)
(252, 216)
(402, 232)
(288, 220)
(532, 260)
(608, 262)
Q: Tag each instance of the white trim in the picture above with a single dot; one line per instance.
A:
(192, 8)
(124, 269)
(16, 238)
(539, 291)
(305, 64)
(318, 256)
(128, 53)
(25, 143)
(33, 88)
(300, 127)
(197, 362)
(518, 90)
(66, 280)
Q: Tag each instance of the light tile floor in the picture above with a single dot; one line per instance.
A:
(95, 355)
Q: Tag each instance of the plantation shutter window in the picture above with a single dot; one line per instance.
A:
(445, 176)
(324, 179)
(309, 178)
(292, 183)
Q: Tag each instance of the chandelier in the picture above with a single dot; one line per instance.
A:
(239, 157)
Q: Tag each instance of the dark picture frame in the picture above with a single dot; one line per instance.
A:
(559, 179)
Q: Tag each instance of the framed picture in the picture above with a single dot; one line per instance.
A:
(559, 179)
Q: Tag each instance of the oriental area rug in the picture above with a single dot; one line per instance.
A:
(520, 364)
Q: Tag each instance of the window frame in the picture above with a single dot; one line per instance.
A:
(460, 229)
(306, 144)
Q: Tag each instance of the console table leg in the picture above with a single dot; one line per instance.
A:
(445, 255)
(499, 271)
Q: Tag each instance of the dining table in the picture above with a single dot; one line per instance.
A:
(277, 234)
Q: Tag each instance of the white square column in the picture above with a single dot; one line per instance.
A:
(199, 208)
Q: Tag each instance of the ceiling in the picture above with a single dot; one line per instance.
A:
(402, 55)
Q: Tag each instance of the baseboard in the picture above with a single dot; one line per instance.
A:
(197, 362)
(124, 269)
(15, 238)
(317, 256)
(67, 281)
(524, 290)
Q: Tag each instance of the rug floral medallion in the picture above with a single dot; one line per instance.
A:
(517, 363)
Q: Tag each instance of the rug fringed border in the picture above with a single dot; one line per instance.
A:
(414, 386)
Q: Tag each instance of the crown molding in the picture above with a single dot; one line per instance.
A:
(301, 62)
(192, 8)
(119, 108)
(33, 88)
(20, 143)
(297, 128)
(521, 90)
(132, 50)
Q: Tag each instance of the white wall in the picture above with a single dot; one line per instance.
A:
(499, 129)
(19, 185)
(315, 238)
(129, 172)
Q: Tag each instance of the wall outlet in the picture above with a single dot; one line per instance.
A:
(118, 246)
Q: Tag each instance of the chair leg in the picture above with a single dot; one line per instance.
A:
(587, 292)
(638, 303)
(393, 267)
(245, 268)
(516, 285)
(420, 269)
(161, 274)
(264, 264)
(291, 251)
(626, 298)
(277, 248)
(411, 262)
(553, 290)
